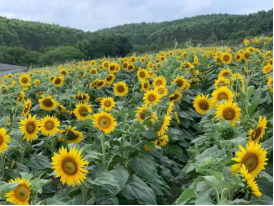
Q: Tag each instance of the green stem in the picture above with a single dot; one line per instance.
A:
(103, 149)
(3, 169)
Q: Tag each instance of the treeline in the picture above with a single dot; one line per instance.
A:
(205, 30)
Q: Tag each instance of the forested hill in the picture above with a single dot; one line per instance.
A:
(205, 29)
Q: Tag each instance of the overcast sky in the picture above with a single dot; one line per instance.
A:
(91, 15)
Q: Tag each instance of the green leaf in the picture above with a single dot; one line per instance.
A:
(149, 135)
(255, 102)
(38, 184)
(186, 196)
(26, 175)
(6, 187)
(39, 162)
(203, 200)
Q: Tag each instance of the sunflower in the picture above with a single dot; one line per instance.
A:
(64, 72)
(238, 57)
(30, 128)
(4, 139)
(176, 96)
(226, 58)
(70, 166)
(100, 83)
(20, 195)
(165, 126)
(151, 96)
(109, 79)
(26, 107)
(113, 68)
(251, 183)
(222, 93)
(120, 89)
(159, 81)
(221, 81)
(58, 81)
(82, 111)
(202, 104)
(143, 113)
(161, 141)
(228, 111)
(142, 74)
(253, 157)
(225, 73)
(145, 86)
(24, 80)
(131, 67)
(125, 65)
(21, 96)
(82, 97)
(70, 135)
(161, 90)
(49, 125)
(270, 83)
(36, 82)
(267, 69)
(93, 71)
(104, 122)
(187, 65)
(181, 82)
(258, 133)
(107, 103)
(47, 103)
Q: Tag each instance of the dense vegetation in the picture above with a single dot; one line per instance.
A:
(34, 43)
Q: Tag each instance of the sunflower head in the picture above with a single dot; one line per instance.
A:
(267, 69)
(159, 81)
(145, 86)
(24, 80)
(104, 122)
(4, 140)
(71, 135)
(151, 96)
(120, 89)
(228, 111)
(82, 97)
(181, 82)
(258, 133)
(82, 111)
(49, 125)
(202, 104)
(58, 81)
(222, 93)
(143, 113)
(107, 103)
(142, 74)
(48, 103)
(30, 128)
(176, 96)
(109, 79)
(226, 58)
(270, 83)
(26, 107)
(161, 141)
(161, 90)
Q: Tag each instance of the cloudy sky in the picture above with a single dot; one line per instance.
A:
(91, 15)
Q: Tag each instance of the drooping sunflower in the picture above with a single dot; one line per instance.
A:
(109, 79)
(100, 83)
(202, 104)
(270, 83)
(49, 125)
(222, 93)
(21, 96)
(228, 111)
(253, 157)
(226, 58)
(107, 103)
(225, 73)
(58, 81)
(176, 96)
(25, 80)
(161, 90)
(30, 128)
(70, 166)
(142, 74)
(145, 86)
(47, 103)
(258, 133)
(159, 81)
(20, 195)
(161, 141)
(113, 68)
(151, 96)
(26, 107)
(267, 69)
(250, 181)
(220, 82)
(143, 113)
(72, 136)
(93, 71)
(4, 139)
(181, 82)
(104, 122)
(131, 67)
(82, 97)
(165, 125)
(82, 111)
(120, 89)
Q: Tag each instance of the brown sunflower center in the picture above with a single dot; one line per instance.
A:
(130, 67)
(174, 97)
(112, 68)
(104, 122)
(142, 74)
(22, 192)
(226, 57)
(120, 88)
(145, 85)
(25, 80)
(246, 55)
(107, 103)
(179, 83)
(159, 82)
(125, 65)
(225, 74)
(26, 109)
(57, 81)
(1, 139)
(30, 127)
(47, 103)
(69, 166)
(203, 104)
(161, 91)
(222, 96)
(250, 161)
(83, 111)
(143, 115)
(49, 125)
(71, 135)
(109, 78)
(256, 133)
(229, 113)
(151, 98)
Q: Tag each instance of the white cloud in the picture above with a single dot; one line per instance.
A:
(8, 15)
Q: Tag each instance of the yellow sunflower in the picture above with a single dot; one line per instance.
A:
(113, 68)
(93, 71)
(222, 93)
(104, 122)
(253, 157)
(221, 81)
(120, 89)
(21, 96)
(100, 83)
(145, 86)
(181, 82)
(82, 97)
(225, 73)
(161, 141)
(58, 81)
(143, 113)
(26, 107)
(258, 133)
(72, 136)
(49, 125)
(70, 166)
(228, 111)
(142, 74)
(267, 69)
(165, 126)
(107, 103)
(202, 104)
(151, 96)
(176, 96)
(47, 103)
(82, 111)
(226, 58)
(4, 139)
(270, 83)
(20, 195)
(250, 181)
(109, 79)
(159, 81)
(161, 90)
(30, 128)
(24, 80)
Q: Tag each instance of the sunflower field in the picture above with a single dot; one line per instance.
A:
(184, 126)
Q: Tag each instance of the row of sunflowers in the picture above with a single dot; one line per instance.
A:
(184, 126)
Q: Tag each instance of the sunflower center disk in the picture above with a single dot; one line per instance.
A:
(83, 111)
(151, 98)
(180, 83)
(251, 162)
(22, 192)
(107, 103)
(142, 74)
(69, 166)
(104, 122)
(49, 125)
(120, 88)
(229, 114)
(71, 135)
(30, 127)
(226, 58)
(256, 133)
(47, 103)
(25, 80)
(222, 96)
(58, 81)
(161, 91)
(203, 105)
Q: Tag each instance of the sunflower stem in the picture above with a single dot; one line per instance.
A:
(103, 150)
(3, 169)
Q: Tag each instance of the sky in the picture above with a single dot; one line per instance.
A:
(92, 15)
